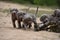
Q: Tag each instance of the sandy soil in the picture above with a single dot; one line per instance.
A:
(7, 32)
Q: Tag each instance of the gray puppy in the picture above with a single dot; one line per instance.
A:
(28, 19)
(16, 15)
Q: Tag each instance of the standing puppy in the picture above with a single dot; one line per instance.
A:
(16, 15)
(13, 16)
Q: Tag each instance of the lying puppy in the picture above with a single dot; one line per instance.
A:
(28, 19)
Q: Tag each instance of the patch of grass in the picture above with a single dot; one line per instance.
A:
(40, 12)
(44, 12)
(4, 10)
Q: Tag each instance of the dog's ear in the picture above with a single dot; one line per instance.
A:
(24, 13)
(55, 13)
(16, 10)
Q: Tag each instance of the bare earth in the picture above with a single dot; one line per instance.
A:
(7, 32)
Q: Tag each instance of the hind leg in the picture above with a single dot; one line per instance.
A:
(30, 26)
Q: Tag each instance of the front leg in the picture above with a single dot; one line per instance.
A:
(35, 26)
(24, 26)
(13, 22)
(19, 24)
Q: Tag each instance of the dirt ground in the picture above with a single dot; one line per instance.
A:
(7, 32)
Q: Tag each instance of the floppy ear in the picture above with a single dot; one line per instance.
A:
(24, 13)
(55, 12)
(16, 10)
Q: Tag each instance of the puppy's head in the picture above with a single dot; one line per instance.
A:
(14, 10)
